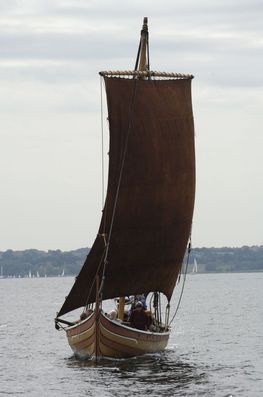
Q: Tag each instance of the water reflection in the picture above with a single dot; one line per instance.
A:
(156, 375)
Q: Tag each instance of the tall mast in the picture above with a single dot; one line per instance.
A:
(142, 61)
(142, 64)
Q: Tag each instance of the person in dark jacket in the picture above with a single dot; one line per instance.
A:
(138, 318)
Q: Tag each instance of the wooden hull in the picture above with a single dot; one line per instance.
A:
(110, 338)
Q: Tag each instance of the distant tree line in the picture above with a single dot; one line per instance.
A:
(41, 263)
(227, 259)
(56, 262)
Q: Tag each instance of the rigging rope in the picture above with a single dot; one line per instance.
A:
(104, 204)
(118, 185)
(104, 255)
(93, 282)
(102, 141)
(102, 189)
(185, 273)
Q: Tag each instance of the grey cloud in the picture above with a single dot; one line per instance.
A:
(222, 13)
(224, 52)
(80, 55)
(219, 41)
(54, 46)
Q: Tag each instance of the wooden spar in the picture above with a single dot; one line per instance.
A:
(58, 320)
(121, 308)
(146, 73)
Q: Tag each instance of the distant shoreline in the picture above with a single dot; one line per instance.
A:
(72, 275)
(56, 263)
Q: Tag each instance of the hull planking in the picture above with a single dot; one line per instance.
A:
(110, 338)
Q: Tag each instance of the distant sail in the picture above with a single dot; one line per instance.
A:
(194, 266)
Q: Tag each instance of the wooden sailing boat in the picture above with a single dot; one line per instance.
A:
(147, 216)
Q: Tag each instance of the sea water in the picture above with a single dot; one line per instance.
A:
(215, 348)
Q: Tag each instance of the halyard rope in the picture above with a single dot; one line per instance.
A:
(185, 273)
(118, 185)
(102, 140)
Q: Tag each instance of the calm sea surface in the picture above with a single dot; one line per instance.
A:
(216, 347)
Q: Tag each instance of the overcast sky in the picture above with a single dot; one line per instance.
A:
(50, 132)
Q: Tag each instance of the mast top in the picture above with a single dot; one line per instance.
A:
(145, 24)
(142, 65)
(142, 60)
